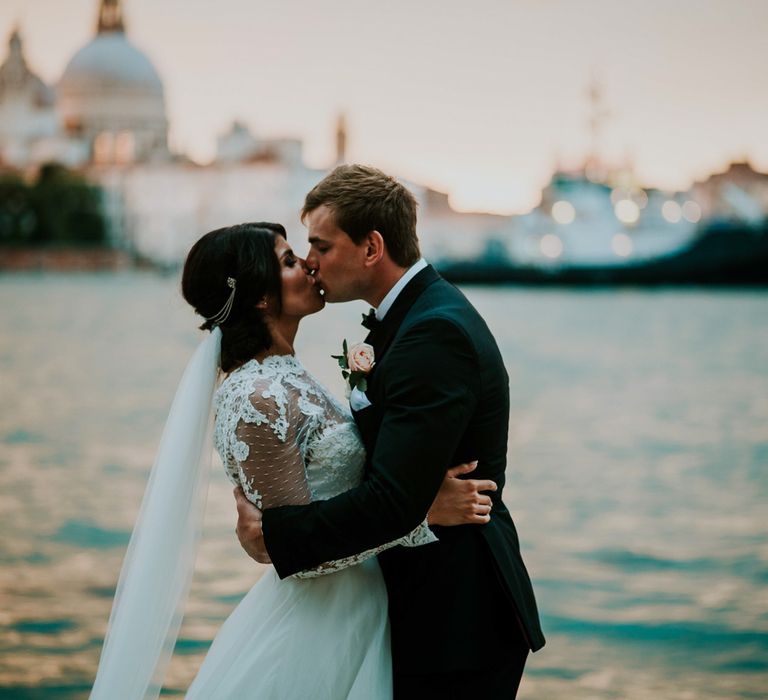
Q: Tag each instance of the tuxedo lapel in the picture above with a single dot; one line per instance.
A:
(381, 338)
(382, 335)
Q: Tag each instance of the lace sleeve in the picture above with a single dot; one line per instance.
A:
(417, 537)
(270, 466)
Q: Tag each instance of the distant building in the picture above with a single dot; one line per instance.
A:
(239, 145)
(107, 118)
(341, 140)
(740, 193)
(108, 106)
(27, 108)
(111, 97)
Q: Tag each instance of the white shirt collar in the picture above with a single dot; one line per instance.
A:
(392, 294)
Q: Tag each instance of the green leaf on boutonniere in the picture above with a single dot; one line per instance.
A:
(341, 360)
(344, 347)
(358, 380)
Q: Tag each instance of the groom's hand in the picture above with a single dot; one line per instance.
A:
(249, 530)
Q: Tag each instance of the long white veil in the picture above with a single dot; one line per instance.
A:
(158, 564)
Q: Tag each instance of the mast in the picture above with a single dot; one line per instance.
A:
(597, 116)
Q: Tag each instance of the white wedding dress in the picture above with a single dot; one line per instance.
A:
(321, 634)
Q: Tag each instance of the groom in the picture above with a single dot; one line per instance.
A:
(462, 610)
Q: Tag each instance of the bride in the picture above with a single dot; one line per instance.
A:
(285, 440)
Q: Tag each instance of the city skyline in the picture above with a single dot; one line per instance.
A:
(481, 101)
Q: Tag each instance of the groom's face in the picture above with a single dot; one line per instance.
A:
(338, 262)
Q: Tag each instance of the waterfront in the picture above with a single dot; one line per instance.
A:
(637, 477)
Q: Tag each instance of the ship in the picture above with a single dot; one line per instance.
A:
(587, 231)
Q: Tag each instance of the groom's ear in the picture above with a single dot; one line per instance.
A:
(374, 247)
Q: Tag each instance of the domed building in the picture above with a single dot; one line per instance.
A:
(111, 96)
(107, 119)
(27, 111)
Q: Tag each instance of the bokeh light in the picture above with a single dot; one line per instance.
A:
(551, 246)
(671, 211)
(627, 211)
(692, 212)
(563, 212)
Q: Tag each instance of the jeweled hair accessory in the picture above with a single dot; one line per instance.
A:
(223, 315)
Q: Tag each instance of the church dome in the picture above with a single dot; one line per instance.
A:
(110, 93)
(17, 78)
(110, 62)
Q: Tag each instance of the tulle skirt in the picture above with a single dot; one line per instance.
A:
(324, 638)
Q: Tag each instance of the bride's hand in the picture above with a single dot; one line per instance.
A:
(460, 501)
(249, 530)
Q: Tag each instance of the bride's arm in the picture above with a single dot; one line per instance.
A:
(459, 502)
(271, 469)
(270, 465)
(419, 536)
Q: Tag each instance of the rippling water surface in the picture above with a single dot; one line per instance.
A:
(638, 478)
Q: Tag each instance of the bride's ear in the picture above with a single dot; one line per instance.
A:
(262, 304)
(374, 248)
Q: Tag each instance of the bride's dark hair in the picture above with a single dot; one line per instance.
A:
(245, 252)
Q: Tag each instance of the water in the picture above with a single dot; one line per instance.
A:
(638, 479)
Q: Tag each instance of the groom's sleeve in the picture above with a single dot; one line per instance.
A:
(431, 389)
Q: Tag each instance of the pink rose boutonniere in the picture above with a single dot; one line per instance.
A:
(356, 363)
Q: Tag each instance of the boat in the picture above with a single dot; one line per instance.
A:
(593, 230)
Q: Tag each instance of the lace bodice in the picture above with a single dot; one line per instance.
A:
(286, 440)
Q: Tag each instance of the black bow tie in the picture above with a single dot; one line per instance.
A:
(370, 321)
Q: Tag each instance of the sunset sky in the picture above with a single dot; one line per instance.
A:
(480, 99)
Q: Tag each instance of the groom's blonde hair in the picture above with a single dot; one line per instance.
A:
(364, 199)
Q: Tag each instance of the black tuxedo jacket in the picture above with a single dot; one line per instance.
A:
(440, 397)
